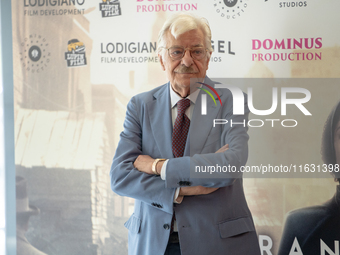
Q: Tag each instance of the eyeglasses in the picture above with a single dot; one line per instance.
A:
(177, 52)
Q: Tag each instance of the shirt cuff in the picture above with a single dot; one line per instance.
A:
(177, 199)
(163, 170)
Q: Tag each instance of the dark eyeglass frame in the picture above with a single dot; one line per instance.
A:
(184, 50)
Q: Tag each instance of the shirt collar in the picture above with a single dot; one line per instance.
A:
(174, 97)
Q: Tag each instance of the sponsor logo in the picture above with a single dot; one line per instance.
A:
(293, 4)
(129, 52)
(221, 47)
(75, 55)
(46, 7)
(126, 52)
(110, 8)
(163, 6)
(299, 49)
(34, 53)
(230, 9)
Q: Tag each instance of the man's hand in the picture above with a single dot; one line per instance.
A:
(143, 163)
(195, 191)
(199, 190)
(223, 148)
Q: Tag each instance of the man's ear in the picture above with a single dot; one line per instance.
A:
(161, 60)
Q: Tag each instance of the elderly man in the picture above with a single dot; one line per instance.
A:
(176, 213)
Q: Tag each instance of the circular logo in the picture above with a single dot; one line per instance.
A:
(230, 3)
(230, 9)
(34, 53)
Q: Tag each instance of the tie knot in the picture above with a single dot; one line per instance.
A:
(182, 105)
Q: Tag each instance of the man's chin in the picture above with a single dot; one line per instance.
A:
(189, 82)
(187, 79)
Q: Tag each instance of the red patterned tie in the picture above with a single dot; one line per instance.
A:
(179, 136)
(181, 128)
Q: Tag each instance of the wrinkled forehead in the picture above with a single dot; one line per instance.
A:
(191, 38)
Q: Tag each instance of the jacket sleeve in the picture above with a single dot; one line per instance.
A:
(127, 180)
(185, 171)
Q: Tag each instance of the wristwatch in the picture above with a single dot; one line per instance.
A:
(154, 164)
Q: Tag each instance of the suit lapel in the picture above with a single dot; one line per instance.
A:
(159, 111)
(201, 125)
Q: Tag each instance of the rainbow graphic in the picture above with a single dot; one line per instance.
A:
(208, 92)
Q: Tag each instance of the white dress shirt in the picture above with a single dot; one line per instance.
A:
(174, 98)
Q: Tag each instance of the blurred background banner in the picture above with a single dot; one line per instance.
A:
(78, 62)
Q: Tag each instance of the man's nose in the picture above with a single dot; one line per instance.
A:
(187, 59)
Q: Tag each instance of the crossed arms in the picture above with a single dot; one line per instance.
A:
(130, 171)
(143, 163)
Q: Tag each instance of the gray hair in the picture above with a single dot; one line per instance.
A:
(181, 23)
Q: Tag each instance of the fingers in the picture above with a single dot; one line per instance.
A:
(143, 163)
(207, 191)
(187, 191)
(196, 190)
(223, 148)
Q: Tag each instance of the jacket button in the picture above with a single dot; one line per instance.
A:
(166, 226)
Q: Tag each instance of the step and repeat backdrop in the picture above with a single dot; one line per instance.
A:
(78, 62)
